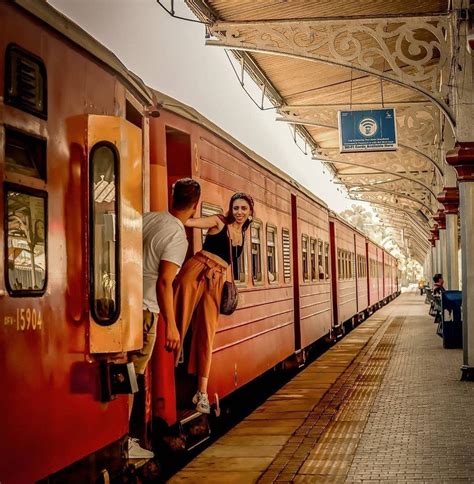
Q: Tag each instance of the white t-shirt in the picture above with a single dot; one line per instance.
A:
(164, 238)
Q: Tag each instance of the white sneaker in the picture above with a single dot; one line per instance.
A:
(202, 403)
(137, 452)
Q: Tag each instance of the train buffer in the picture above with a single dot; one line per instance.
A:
(384, 403)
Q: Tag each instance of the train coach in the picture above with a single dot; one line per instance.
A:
(85, 149)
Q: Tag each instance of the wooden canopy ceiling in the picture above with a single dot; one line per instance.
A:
(313, 58)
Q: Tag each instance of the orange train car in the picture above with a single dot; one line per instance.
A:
(71, 200)
(83, 154)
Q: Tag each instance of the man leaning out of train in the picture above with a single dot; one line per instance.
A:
(164, 249)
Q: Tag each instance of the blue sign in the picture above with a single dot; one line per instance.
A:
(369, 130)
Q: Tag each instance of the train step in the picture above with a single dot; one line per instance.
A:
(194, 430)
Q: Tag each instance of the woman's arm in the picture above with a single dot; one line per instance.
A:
(213, 221)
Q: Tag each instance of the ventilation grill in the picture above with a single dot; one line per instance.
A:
(286, 255)
(25, 82)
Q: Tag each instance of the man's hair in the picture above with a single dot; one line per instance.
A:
(437, 277)
(186, 192)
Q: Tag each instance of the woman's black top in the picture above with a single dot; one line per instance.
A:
(218, 244)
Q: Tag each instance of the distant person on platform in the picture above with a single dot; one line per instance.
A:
(438, 286)
(164, 249)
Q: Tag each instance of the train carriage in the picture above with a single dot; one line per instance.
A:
(344, 279)
(361, 272)
(85, 149)
(71, 195)
(372, 251)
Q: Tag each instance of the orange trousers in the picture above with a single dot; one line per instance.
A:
(197, 298)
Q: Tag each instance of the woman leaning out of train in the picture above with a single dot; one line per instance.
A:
(199, 285)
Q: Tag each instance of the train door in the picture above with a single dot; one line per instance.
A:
(296, 270)
(369, 275)
(170, 160)
(334, 272)
(114, 231)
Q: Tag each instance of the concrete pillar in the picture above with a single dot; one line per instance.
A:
(452, 250)
(439, 265)
(440, 218)
(449, 197)
(462, 158)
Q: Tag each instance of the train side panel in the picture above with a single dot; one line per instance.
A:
(314, 281)
(344, 249)
(361, 273)
(263, 325)
(52, 402)
(372, 271)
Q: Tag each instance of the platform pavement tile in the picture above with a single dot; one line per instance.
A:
(223, 450)
(199, 477)
(326, 466)
(310, 479)
(230, 464)
(281, 429)
(269, 415)
(318, 377)
(309, 384)
(284, 405)
(251, 440)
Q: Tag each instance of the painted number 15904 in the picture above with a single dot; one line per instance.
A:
(27, 319)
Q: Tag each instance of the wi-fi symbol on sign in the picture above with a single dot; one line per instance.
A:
(368, 127)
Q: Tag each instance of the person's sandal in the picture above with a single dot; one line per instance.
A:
(202, 403)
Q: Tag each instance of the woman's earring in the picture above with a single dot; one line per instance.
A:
(250, 218)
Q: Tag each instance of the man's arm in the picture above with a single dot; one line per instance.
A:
(164, 293)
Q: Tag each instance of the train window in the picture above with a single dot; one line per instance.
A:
(304, 257)
(313, 243)
(256, 240)
(104, 236)
(208, 209)
(285, 238)
(26, 241)
(25, 82)
(271, 254)
(326, 260)
(25, 154)
(320, 261)
(339, 264)
(242, 268)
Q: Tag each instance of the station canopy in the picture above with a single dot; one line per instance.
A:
(314, 58)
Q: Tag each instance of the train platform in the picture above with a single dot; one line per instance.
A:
(385, 404)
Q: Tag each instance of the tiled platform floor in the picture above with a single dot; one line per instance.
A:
(384, 404)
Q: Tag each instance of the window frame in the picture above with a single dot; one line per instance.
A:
(15, 187)
(257, 223)
(320, 247)
(286, 231)
(304, 239)
(92, 251)
(313, 243)
(212, 210)
(272, 228)
(326, 266)
(14, 102)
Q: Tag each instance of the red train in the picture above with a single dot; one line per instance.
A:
(82, 156)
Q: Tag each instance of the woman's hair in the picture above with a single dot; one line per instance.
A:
(230, 216)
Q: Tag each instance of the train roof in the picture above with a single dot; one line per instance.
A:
(41, 10)
(177, 107)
